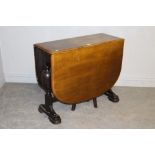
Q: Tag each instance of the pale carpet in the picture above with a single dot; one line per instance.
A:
(19, 109)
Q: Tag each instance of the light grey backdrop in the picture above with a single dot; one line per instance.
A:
(138, 61)
(1, 71)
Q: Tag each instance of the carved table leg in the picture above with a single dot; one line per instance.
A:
(47, 108)
(95, 102)
(112, 96)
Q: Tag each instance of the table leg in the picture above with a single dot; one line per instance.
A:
(95, 102)
(73, 107)
(47, 108)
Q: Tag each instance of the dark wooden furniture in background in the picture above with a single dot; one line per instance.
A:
(77, 69)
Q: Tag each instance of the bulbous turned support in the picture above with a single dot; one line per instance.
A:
(112, 96)
(47, 108)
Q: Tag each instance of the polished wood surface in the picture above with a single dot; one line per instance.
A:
(83, 68)
(73, 43)
(83, 73)
(77, 69)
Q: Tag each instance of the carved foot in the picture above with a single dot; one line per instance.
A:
(49, 111)
(112, 96)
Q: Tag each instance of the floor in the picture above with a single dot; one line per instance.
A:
(19, 109)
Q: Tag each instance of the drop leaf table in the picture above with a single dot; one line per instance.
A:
(78, 69)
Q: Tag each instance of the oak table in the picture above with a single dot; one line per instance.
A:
(78, 69)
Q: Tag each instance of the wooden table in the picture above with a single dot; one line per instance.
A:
(77, 69)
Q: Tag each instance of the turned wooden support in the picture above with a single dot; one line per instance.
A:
(47, 108)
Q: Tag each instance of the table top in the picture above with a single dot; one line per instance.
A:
(73, 43)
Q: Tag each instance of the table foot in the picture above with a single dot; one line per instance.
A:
(112, 96)
(49, 111)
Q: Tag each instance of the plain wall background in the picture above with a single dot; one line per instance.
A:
(1, 71)
(138, 67)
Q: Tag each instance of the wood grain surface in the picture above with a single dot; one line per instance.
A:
(81, 73)
(73, 43)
